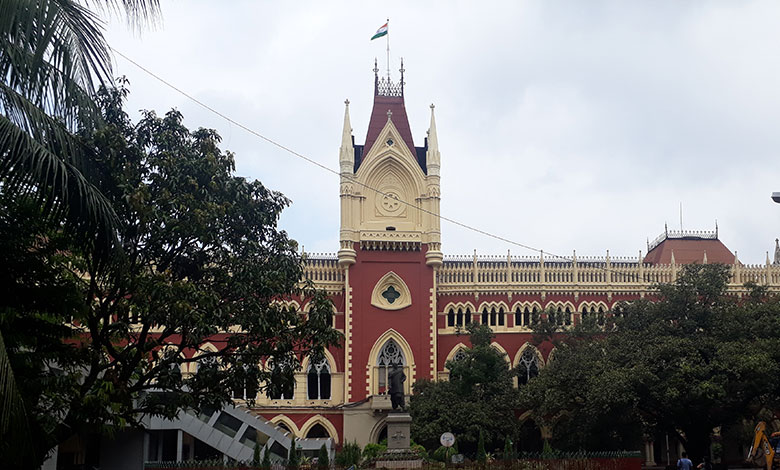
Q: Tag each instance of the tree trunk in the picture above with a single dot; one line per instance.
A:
(697, 443)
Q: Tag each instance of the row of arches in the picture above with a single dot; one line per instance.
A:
(528, 360)
(315, 427)
(495, 314)
(318, 378)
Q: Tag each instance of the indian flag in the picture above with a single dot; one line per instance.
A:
(380, 32)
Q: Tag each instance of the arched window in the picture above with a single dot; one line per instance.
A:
(284, 390)
(459, 355)
(585, 312)
(317, 430)
(527, 367)
(568, 316)
(318, 381)
(283, 425)
(389, 355)
(451, 317)
(245, 385)
(493, 317)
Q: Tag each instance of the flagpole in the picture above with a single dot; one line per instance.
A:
(388, 48)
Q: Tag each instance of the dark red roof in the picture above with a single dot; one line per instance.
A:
(689, 250)
(394, 104)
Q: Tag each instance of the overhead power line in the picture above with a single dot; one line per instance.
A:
(331, 170)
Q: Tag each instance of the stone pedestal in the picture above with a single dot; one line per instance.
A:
(399, 427)
(398, 454)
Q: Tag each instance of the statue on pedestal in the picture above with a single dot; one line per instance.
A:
(397, 379)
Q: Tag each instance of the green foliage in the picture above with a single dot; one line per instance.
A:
(293, 456)
(509, 453)
(256, 455)
(265, 464)
(370, 451)
(687, 361)
(479, 396)
(87, 337)
(348, 455)
(323, 459)
(481, 454)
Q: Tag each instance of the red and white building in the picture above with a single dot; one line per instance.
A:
(399, 299)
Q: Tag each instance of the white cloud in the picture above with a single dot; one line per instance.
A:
(564, 125)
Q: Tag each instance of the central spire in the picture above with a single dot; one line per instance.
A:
(385, 87)
(388, 98)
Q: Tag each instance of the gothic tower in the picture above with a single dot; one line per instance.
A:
(390, 247)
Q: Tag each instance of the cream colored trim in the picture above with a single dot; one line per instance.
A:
(531, 305)
(454, 350)
(457, 305)
(501, 349)
(372, 356)
(376, 430)
(551, 356)
(595, 304)
(328, 356)
(388, 280)
(288, 422)
(522, 350)
(491, 304)
(347, 337)
(319, 419)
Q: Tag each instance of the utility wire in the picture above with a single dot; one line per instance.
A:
(330, 170)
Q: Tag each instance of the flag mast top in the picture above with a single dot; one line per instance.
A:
(388, 48)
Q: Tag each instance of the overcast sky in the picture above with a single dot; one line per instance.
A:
(562, 125)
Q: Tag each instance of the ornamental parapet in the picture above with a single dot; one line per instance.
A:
(487, 274)
(323, 269)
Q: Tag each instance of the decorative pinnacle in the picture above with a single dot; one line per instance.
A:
(346, 101)
(389, 114)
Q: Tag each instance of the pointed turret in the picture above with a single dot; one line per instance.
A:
(347, 150)
(777, 251)
(433, 157)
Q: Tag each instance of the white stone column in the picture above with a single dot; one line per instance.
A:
(179, 444)
(649, 454)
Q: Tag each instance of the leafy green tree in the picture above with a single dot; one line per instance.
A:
(479, 397)
(202, 259)
(508, 450)
(256, 455)
(265, 464)
(370, 451)
(348, 455)
(323, 459)
(481, 454)
(687, 361)
(293, 456)
(51, 54)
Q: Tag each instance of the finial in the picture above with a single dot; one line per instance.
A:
(666, 229)
(376, 77)
(704, 260)
(432, 106)
(346, 102)
(389, 114)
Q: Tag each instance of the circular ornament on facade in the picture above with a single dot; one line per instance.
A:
(390, 203)
(390, 142)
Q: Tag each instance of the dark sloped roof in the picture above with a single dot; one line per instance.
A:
(689, 250)
(394, 104)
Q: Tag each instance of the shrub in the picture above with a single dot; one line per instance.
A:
(323, 459)
(349, 455)
(370, 451)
